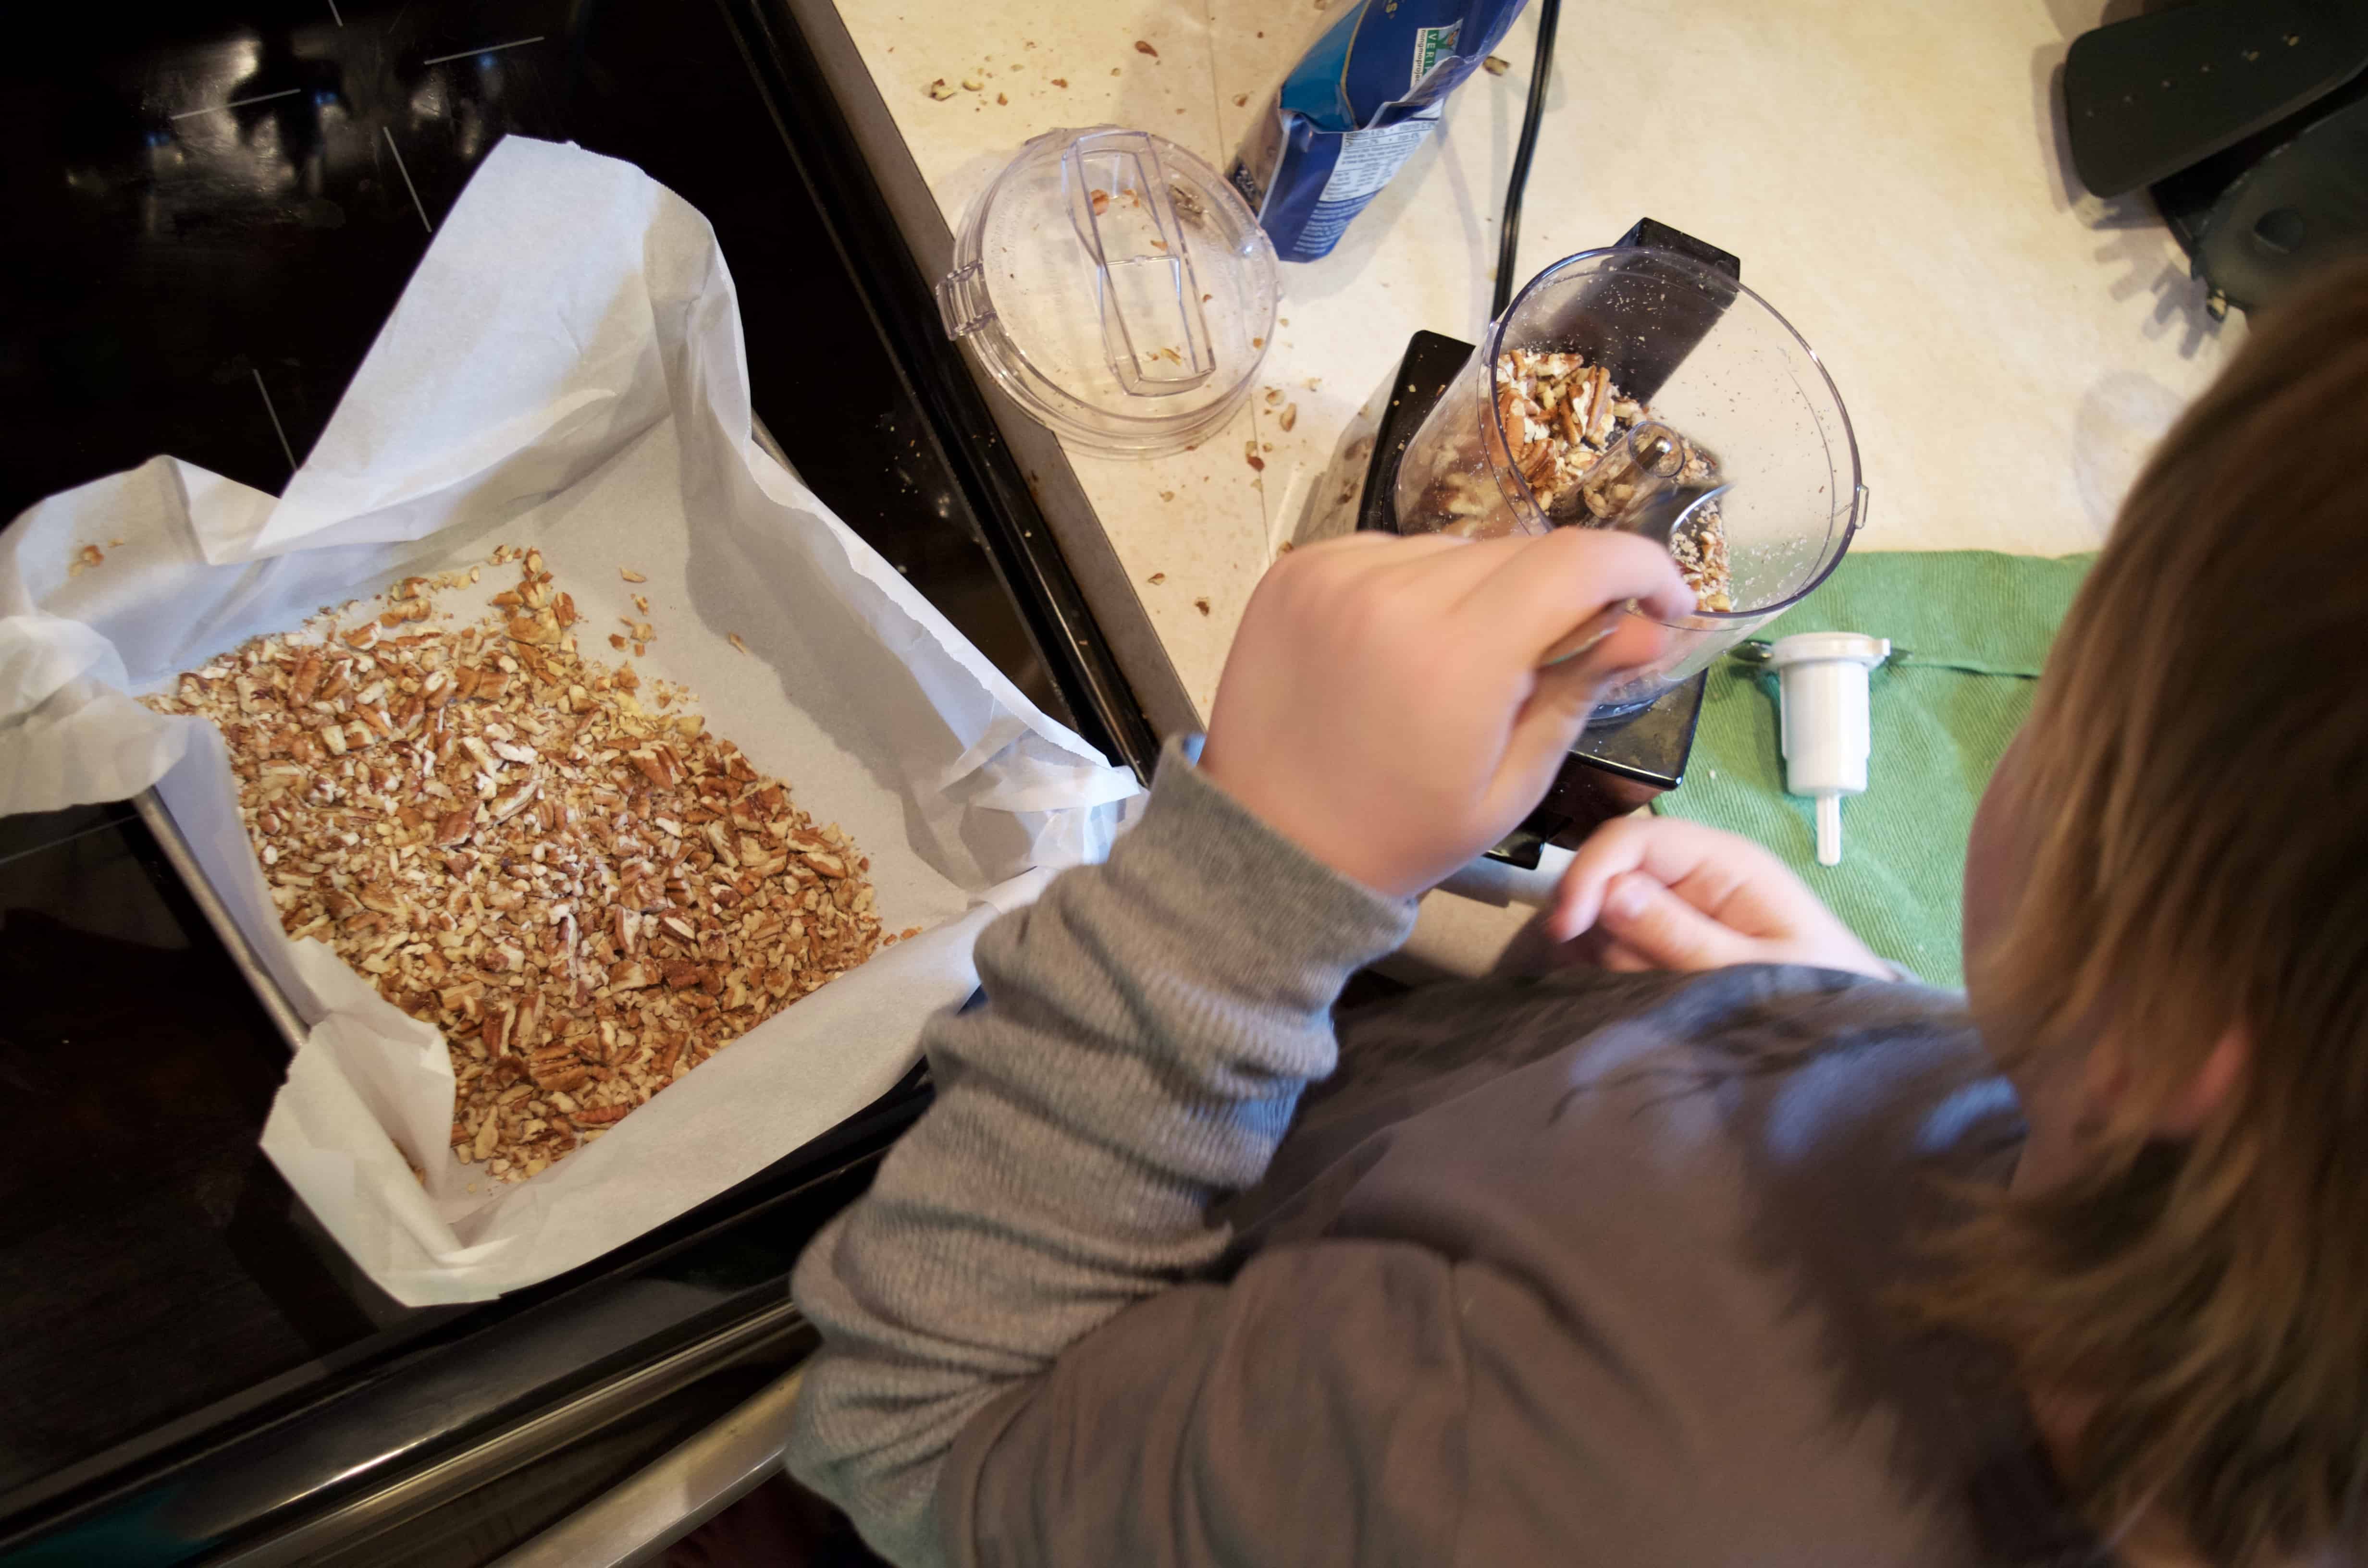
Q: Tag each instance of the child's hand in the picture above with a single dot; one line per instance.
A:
(1658, 893)
(1382, 705)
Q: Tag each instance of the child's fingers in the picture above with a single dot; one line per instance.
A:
(1578, 897)
(1649, 920)
(1710, 863)
(1618, 846)
(1625, 959)
(1381, 547)
(1557, 709)
(1538, 592)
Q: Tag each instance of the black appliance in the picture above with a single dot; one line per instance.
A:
(2247, 122)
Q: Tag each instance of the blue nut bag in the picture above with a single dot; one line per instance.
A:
(1354, 110)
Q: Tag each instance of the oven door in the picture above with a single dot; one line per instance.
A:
(229, 198)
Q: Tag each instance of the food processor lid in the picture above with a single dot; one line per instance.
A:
(1117, 287)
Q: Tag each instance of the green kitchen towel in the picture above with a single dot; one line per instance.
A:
(1969, 632)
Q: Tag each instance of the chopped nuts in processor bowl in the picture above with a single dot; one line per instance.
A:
(586, 895)
(1559, 415)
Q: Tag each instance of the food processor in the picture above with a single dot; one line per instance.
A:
(1696, 353)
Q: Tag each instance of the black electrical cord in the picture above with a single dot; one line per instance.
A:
(1510, 244)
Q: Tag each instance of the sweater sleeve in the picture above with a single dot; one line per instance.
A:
(1146, 1029)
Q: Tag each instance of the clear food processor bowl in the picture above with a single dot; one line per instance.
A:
(1714, 361)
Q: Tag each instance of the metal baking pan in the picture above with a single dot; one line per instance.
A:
(175, 849)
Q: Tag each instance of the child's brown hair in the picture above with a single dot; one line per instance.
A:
(2195, 800)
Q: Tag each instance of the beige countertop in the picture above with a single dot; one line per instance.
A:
(1891, 175)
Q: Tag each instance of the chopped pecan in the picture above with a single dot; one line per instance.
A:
(574, 940)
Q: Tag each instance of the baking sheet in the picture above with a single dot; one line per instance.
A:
(564, 371)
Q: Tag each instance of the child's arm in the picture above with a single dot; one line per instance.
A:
(1148, 1027)
(1149, 1024)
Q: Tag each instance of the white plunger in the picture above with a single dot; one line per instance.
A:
(1827, 734)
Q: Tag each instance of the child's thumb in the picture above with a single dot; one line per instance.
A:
(1652, 921)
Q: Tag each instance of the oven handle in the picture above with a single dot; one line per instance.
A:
(633, 1522)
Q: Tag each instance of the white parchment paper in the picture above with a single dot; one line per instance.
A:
(564, 370)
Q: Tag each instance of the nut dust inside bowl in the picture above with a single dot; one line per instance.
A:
(546, 857)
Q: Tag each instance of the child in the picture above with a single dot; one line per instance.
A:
(1724, 1244)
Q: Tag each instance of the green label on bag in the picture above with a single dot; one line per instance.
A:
(1431, 45)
